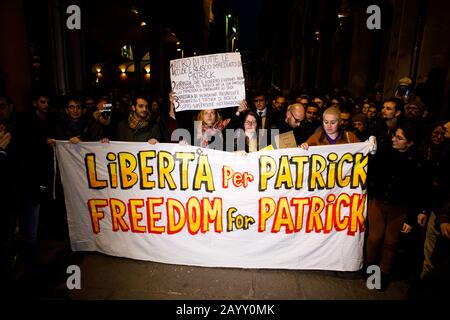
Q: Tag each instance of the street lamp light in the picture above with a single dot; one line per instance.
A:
(227, 17)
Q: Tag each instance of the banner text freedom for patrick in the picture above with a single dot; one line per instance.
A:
(287, 208)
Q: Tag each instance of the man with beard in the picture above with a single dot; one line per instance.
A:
(138, 127)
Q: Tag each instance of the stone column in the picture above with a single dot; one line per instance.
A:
(14, 60)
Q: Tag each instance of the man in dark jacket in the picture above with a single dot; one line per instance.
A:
(138, 127)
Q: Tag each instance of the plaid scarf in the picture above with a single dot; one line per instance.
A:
(208, 132)
(137, 124)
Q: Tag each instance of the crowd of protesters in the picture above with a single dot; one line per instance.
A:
(408, 179)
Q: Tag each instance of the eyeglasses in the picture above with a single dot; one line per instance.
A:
(74, 106)
(295, 119)
(250, 123)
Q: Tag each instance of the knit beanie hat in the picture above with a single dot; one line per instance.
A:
(360, 117)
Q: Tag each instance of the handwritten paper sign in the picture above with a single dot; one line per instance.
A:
(207, 82)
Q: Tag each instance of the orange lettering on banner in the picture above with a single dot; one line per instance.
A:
(283, 217)
(212, 212)
(266, 210)
(118, 210)
(342, 213)
(357, 220)
(238, 179)
(198, 215)
(314, 219)
(341, 224)
(299, 204)
(153, 216)
(96, 214)
(194, 213)
(174, 206)
(330, 211)
(135, 215)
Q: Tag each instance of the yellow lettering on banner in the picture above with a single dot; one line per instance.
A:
(267, 169)
(145, 170)
(166, 164)
(194, 213)
(91, 166)
(266, 210)
(230, 219)
(185, 157)
(318, 165)
(127, 164)
(299, 162)
(284, 174)
(135, 215)
(341, 180)
(359, 175)
(118, 210)
(112, 170)
(203, 174)
(283, 217)
(299, 204)
(212, 212)
(325, 172)
(331, 174)
(96, 214)
(239, 221)
(174, 206)
(153, 216)
(314, 219)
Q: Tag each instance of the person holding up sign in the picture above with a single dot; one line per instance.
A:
(209, 126)
(247, 135)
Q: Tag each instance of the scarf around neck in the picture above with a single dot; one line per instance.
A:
(137, 124)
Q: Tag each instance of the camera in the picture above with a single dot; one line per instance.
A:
(106, 111)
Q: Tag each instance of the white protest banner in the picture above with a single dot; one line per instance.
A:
(207, 82)
(286, 208)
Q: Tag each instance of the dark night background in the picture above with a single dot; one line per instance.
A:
(294, 45)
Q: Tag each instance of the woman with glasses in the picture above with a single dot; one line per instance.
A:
(247, 137)
(331, 131)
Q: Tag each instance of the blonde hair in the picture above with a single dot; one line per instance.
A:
(333, 111)
(218, 116)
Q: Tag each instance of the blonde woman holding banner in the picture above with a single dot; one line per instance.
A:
(331, 132)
